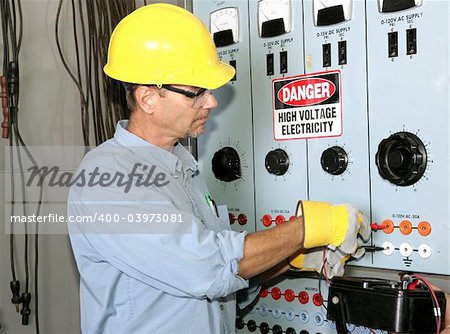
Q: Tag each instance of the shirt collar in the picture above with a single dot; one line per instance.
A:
(171, 161)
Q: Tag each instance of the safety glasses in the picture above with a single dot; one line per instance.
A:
(200, 96)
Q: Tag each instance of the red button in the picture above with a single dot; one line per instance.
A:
(303, 297)
(289, 295)
(276, 293)
(242, 219)
(267, 220)
(317, 299)
(291, 217)
(280, 220)
(232, 218)
(264, 292)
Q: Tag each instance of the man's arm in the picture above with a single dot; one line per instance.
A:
(265, 249)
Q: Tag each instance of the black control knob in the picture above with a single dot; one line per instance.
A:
(240, 323)
(226, 164)
(401, 158)
(334, 160)
(277, 162)
(277, 329)
(290, 330)
(251, 325)
(264, 327)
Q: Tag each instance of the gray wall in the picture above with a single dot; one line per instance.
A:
(49, 116)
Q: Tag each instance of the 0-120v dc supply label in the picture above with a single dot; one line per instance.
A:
(307, 106)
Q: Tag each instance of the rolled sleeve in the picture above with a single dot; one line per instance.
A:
(199, 263)
(227, 280)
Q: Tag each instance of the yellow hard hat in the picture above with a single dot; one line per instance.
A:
(165, 44)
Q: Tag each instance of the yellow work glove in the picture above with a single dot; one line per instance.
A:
(324, 260)
(333, 226)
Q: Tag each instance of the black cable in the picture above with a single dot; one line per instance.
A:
(69, 71)
(11, 22)
(85, 114)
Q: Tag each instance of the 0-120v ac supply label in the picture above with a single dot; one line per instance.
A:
(307, 106)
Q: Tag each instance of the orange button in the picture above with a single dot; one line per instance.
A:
(267, 220)
(405, 227)
(388, 226)
(424, 228)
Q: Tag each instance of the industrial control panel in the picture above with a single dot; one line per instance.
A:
(374, 130)
(387, 153)
(225, 151)
(276, 45)
(408, 92)
(293, 305)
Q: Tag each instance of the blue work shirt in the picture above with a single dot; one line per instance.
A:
(139, 280)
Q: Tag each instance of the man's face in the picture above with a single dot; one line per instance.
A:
(187, 116)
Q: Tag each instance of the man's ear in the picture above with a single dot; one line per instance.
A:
(143, 96)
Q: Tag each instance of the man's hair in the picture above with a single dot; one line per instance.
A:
(129, 95)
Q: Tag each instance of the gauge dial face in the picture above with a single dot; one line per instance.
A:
(332, 11)
(271, 10)
(225, 20)
(386, 6)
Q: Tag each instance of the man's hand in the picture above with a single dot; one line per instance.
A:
(330, 262)
(333, 226)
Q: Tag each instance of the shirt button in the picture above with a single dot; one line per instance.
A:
(222, 307)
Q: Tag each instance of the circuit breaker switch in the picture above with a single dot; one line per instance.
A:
(326, 55)
(342, 52)
(411, 41)
(269, 64)
(393, 44)
(283, 62)
(233, 63)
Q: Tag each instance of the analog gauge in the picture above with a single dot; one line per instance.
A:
(327, 12)
(224, 26)
(274, 17)
(387, 6)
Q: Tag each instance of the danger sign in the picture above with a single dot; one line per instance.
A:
(307, 106)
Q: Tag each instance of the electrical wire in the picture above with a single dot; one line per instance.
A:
(435, 301)
(102, 100)
(12, 32)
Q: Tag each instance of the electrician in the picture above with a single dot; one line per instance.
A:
(183, 276)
